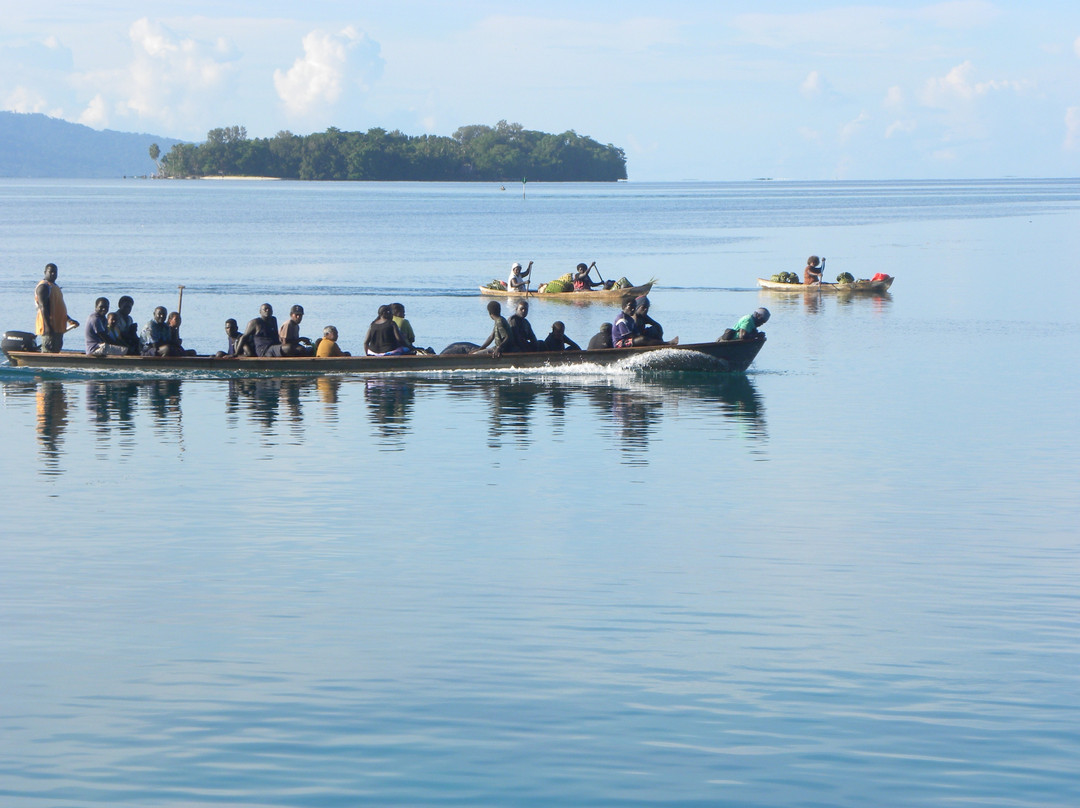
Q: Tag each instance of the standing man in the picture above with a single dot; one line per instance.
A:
(52, 316)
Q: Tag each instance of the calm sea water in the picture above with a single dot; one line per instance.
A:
(848, 577)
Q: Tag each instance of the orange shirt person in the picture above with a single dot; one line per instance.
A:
(52, 316)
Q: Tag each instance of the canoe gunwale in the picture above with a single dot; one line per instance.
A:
(736, 355)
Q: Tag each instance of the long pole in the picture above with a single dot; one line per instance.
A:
(180, 302)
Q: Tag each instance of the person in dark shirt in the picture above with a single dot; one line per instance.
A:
(100, 341)
(602, 339)
(261, 334)
(233, 345)
(521, 331)
(126, 326)
(557, 339)
(500, 338)
(175, 345)
(384, 338)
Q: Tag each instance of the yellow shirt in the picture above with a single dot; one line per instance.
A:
(328, 347)
(58, 317)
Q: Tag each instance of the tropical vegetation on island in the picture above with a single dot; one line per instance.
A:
(506, 151)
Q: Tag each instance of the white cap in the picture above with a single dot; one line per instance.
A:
(514, 266)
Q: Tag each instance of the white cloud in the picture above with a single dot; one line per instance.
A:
(170, 81)
(95, 114)
(900, 127)
(853, 127)
(1072, 128)
(958, 85)
(894, 99)
(24, 99)
(811, 86)
(332, 62)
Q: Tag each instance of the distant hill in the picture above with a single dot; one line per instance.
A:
(39, 146)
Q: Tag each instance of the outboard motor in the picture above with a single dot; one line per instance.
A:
(19, 341)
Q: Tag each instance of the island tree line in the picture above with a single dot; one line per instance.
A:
(504, 152)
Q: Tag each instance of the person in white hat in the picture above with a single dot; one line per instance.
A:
(519, 279)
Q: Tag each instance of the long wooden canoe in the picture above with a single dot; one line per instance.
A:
(595, 296)
(856, 286)
(733, 355)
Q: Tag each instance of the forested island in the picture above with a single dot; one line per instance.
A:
(506, 151)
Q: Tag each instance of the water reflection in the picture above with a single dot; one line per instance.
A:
(266, 401)
(627, 409)
(52, 418)
(390, 401)
(816, 303)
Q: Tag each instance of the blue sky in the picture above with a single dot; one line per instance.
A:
(691, 90)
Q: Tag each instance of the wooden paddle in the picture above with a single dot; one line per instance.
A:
(180, 302)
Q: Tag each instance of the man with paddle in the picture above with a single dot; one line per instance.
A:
(52, 317)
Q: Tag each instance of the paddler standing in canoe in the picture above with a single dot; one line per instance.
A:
(52, 316)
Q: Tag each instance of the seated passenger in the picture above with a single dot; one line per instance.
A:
(126, 325)
(557, 339)
(327, 346)
(292, 344)
(814, 268)
(601, 339)
(155, 334)
(518, 280)
(628, 330)
(500, 338)
(233, 346)
(747, 327)
(261, 334)
(651, 329)
(384, 337)
(522, 338)
(99, 341)
(175, 345)
(397, 310)
(625, 327)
